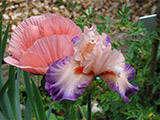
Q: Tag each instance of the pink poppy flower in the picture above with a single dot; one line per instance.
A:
(39, 40)
(68, 77)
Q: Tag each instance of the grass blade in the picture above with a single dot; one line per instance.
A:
(4, 41)
(17, 102)
(2, 117)
(2, 91)
(0, 38)
(38, 102)
(5, 105)
(11, 88)
(4, 7)
(1, 42)
(28, 111)
(30, 93)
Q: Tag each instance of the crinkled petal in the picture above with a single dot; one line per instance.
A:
(30, 69)
(101, 60)
(130, 71)
(120, 84)
(90, 36)
(30, 35)
(37, 27)
(44, 51)
(62, 82)
(59, 25)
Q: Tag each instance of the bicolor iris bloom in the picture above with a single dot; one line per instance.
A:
(68, 77)
(39, 40)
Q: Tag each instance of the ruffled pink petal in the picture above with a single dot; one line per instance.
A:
(30, 35)
(120, 84)
(63, 82)
(90, 36)
(38, 27)
(44, 51)
(104, 59)
(23, 31)
(60, 25)
(30, 69)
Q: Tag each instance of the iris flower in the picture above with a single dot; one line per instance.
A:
(68, 77)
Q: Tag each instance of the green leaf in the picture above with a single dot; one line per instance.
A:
(108, 19)
(119, 13)
(28, 111)
(30, 93)
(49, 111)
(79, 113)
(70, 116)
(4, 4)
(119, 43)
(157, 102)
(4, 41)
(114, 111)
(5, 105)
(94, 11)
(3, 89)
(156, 37)
(90, 9)
(38, 102)
(108, 28)
(52, 116)
(11, 89)
(84, 13)
(2, 117)
(101, 18)
(101, 27)
(1, 34)
(123, 8)
(18, 110)
(81, 26)
(60, 118)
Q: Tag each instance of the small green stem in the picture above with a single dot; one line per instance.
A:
(89, 106)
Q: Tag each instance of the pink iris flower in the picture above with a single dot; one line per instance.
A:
(40, 40)
(68, 77)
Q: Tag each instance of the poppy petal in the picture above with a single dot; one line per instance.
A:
(30, 69)
(44, 51)
(37, 27)
(59, 25)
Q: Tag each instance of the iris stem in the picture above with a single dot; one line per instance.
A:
(89, 106)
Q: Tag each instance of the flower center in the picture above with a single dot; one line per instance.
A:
(89, 48)
(78, 70)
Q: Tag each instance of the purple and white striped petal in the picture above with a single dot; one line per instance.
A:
(120, 84)
(130, 71)
(63, 82)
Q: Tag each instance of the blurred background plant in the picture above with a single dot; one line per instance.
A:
(30, 101)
